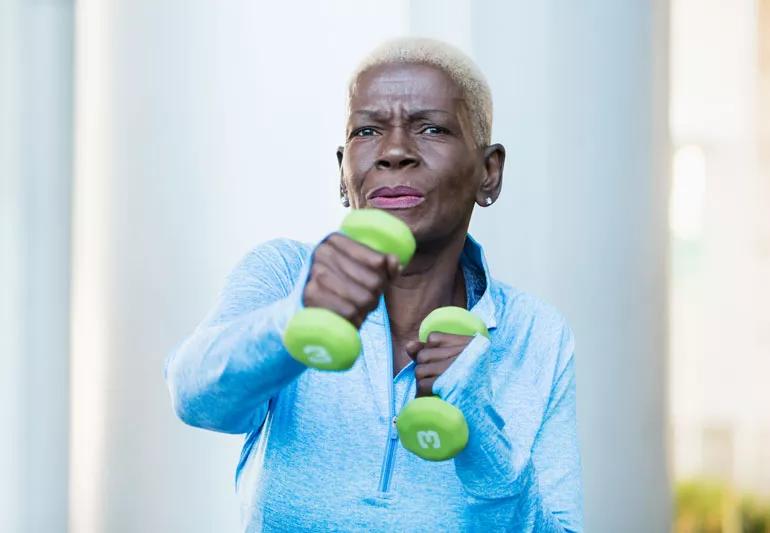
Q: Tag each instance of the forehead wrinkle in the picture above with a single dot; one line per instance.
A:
(389, 107)
(410, 87)
(405, 80)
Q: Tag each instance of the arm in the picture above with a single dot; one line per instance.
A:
(515, 483)
(222, 376)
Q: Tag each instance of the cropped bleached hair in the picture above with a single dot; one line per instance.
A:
(459, 67)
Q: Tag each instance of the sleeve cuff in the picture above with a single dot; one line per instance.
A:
(450, 385)
(489, 467)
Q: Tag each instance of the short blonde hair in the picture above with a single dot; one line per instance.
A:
(459, 67)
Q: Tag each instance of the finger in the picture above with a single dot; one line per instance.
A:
(334, 258)
(430, 355)
(394, 266)
(333, 302)
(425, 387)
(362, 298)
(360, 283)
(447, 339)
(432, 370)
(413, 348)
(359, 252)
(373, 278)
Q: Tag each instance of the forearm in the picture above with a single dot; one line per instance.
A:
(497, 467)
(222, 376)
(503, 494)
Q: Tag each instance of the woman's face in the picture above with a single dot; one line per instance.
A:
(409, 149)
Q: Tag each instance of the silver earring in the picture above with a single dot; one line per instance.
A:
(489, 200)
(344, 201)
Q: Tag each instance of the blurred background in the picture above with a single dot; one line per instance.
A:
(146, 146)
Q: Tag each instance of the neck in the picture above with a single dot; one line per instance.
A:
(431, 280)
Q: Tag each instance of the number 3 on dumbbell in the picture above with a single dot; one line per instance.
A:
(318, 355)
(426, 438)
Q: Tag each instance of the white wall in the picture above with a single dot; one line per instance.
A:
(11, 362)
(202, 131)
(186, 117)
(35, 177)
(581, 92)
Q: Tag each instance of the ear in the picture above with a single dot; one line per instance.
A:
(492, 182)
(340, 153)
(343, 192)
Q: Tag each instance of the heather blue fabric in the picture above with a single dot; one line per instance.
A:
(321, 452)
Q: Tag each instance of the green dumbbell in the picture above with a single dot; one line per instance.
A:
(322, 339)
(428, 426)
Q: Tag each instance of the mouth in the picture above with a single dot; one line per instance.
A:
(401, 197)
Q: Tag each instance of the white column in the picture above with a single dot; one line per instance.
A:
(581, 95)
(203, 129)
(35, 165)
(11, 268)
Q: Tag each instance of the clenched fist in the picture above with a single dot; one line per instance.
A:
(348, 278)
(432, 358)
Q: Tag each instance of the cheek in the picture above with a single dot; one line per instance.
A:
(459, 179)
(355, 162)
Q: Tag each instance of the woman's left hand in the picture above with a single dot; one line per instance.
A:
(432, 358)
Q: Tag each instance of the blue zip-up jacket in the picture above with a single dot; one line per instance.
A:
(321, 450)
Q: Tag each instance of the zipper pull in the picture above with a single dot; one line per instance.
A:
(394, 428)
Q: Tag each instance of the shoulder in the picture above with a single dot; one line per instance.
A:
(534, 328)
(288, 251)
(285, 255)
(277, 262)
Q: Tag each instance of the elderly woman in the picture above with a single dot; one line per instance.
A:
(321, 451)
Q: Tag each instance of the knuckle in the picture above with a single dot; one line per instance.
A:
(320, 274)
(377, 283)
(372, 280)
(322, 252)
(311, 290)
(362, 297)
(372, 259)
(348, 311)
(310, 297)
(335, 239)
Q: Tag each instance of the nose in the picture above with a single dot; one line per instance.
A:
(397, 152)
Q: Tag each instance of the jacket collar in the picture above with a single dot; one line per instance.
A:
(376, 361)
(472, 257)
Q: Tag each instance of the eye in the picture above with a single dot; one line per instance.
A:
(364, 132)
(434, 130)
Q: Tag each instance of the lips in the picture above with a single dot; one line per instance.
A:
(400, 197)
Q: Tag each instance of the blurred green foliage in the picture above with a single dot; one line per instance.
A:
(707, 506)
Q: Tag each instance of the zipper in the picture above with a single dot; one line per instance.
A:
(386, 473)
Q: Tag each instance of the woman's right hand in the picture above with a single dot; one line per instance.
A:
(348, 278)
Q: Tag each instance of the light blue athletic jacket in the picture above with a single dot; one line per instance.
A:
(321, 450)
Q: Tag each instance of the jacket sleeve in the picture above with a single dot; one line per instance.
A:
(512, 486)
(222, 376)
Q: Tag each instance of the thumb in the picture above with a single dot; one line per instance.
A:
(413, 348)
(394, 266)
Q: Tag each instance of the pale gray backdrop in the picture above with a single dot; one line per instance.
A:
(146, 146)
